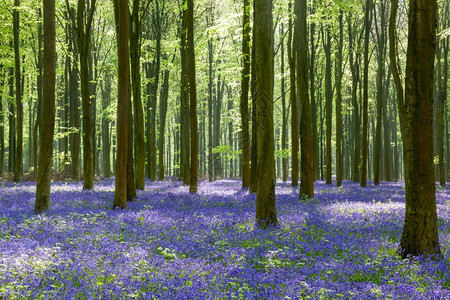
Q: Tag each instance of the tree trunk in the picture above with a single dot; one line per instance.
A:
(367, 26)
(441, 102)
(354, 66)
(18, 164)
(135, 56)
(106, 101)
(39, 93)
(254, 142)
(210, 102)
(48, 108)
(245, 80)
(12, 125)
(83, 26)
(284, 112)
(230, 129)
(265, 195)
(381, 55)
(131, 187)
(387, 132)
(307, 163)
(420, 231)
(162, 120)
(192, 94)
(338, 73)
(328, 100)
(315, 137)
(120, 193)
(151, 135)
(292, 49)
(185, 112)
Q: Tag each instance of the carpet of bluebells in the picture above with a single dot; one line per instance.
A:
(170, 244)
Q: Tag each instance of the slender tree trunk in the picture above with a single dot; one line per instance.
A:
(162, 120)
(441, 103)
(39, 93)
(12, 125)
(307, 163)
(315, 136)
(83, 26)
(217, 117)
(338, 73)
(106, 101)
(185, 111)
(292, 49)
(230, 129)
(387, 131)
(135, 56)
(210, 103)
(154, 95)
(254, 144)
(328, 100)
(48, 107)
(120, 193)
(245, 80)
(354, 66)
(284, 112)
(18, 165)
(75, 123)
(131, 187)
(381, 51)
(444, 95)
(265, 195)
(189, 14)
(367, 26)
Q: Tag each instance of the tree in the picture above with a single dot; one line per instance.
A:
(162, 125)
(184, 110)
(292, 50)
(245, 81)
(192, 95)
(48, 107)
(381, 55)
(154, 69)
(415, 106)
(120, 193)
(83, 29)
(284, 115)
(18, 164)
(338, 74)
(135, 56)
(307, 163)
(328, 99)
(209, 23)
(367, 25)
(354, 67)
(265, 194)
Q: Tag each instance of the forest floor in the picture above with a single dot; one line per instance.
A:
(170, 244)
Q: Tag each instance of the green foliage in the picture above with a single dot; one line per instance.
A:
(226, 151)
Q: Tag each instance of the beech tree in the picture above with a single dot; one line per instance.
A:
(415, 106)
(192, 96)
(266, 214)
(82, 24)
(18, 163)
(120, 193)
(245, 140)
(44, 171)
(307, 164)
